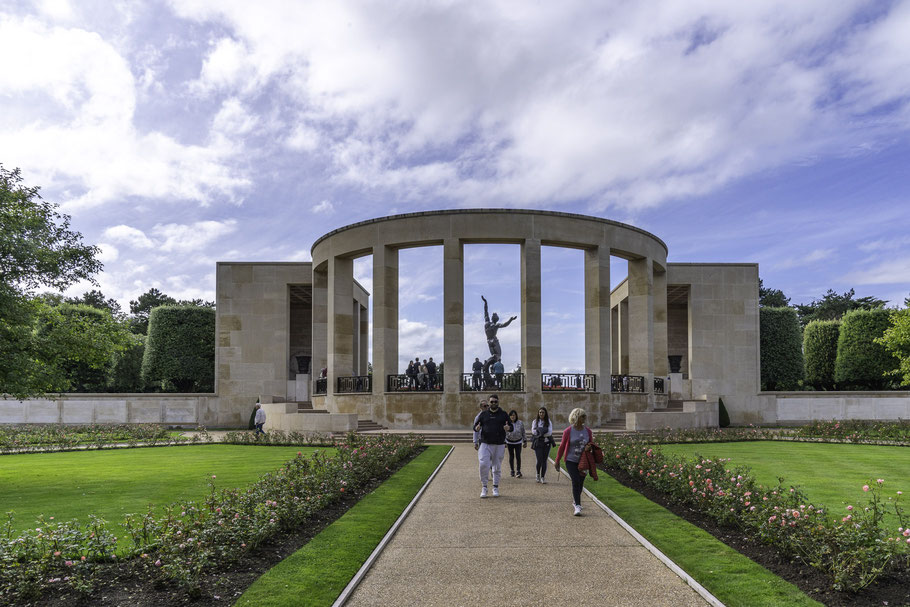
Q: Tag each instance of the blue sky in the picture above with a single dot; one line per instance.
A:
(178, 134)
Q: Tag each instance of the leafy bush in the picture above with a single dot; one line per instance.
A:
(850, 430)
(853, 550)
(180, 348)
(125, 374)
(781, 349)
(863, 364)
(896, 340)
(24, 439)
(820, 349)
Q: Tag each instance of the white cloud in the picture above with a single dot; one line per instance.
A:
(522, 104)
(68, 118)
(810, 258)
(128, 235)
(233, 119)
(418, 339)
(892, 271)
(108, 252)
(181, 238)
(325, 207)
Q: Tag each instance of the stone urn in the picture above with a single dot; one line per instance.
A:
(675, 361)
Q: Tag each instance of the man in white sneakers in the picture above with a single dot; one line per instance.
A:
(492, 425)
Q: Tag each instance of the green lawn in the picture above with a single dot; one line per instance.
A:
(113, 483)
(317, 573)
(829, 474)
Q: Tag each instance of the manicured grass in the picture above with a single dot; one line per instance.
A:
(317, 573)
(829, 474)
(731, 577)
(112, 483)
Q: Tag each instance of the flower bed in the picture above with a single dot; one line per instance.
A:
(189, 538)
(281, 438)
(852, 550)
(25, 439)
(840, 431)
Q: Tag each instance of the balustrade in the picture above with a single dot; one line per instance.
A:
(355, 384)
(627, 383)
(568, 382)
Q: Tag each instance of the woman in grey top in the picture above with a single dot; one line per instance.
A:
(542, 435)
(516, 441)
(575, 440)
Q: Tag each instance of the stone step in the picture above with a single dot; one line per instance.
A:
(366, 425)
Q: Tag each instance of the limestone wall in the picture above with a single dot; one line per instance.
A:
(800, 407)
(724, 337)
(176, 409)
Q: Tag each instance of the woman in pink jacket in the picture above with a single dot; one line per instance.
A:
(575, 441)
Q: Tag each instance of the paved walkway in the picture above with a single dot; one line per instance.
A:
(523, 548)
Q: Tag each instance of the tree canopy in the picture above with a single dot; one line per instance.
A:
(833, 306)
(771, 298)
(37, 248)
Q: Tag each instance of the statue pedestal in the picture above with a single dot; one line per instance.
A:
(676, 387)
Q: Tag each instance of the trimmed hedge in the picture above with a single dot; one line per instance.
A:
(125, 374)
(180, 348)
(862, 364)
(781, 349)
(820, 349)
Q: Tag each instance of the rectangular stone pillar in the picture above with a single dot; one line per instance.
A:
(598, 317)
(641, 320)
(355, 334)
(661, 364)
(624, 337)
(531, 352)
(341, 323)
(320, 321)
(385, 316)
(364, 340)
(614, 340)
(453, 314)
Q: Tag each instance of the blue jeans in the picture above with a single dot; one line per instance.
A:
(259, 429)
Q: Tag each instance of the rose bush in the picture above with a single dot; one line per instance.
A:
(25, 439)
(853, 549)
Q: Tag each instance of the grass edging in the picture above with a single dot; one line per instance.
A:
(733, 578)
(321, 570)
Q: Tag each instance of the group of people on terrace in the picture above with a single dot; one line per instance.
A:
(423, 375)
(495, 432)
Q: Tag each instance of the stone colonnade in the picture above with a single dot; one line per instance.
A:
(333, 255)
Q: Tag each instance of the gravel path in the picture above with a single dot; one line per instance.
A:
(523, 548)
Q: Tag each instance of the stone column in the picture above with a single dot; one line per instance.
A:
(614, 340)
(453, 314)
(320, 321)
(385, 316)
(624, 337)
(341, 323)
(531, 321)
(661, 364)
(641, 321)
(598, 317)
(355, 337)
(364, 340)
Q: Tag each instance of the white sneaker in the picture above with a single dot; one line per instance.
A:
(495, 491)
(538, 478)
(577, 511)
(483, 492)
(543, 481)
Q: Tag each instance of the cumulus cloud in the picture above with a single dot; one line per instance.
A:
(128, 235)
(69, 110)
(172, 237)
(624, 105)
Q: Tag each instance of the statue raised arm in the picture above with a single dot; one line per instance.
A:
(491, 326)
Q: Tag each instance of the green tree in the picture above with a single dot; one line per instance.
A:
(75, 344)
(781, 349)
(820, 350)
(37, 248)
(142, 306)
(125, 374)
(862, 362)
(896, 341)
(832, 306)
(180, 348)
(771, 298)
(96, 299)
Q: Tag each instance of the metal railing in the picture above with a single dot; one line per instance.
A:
(355, 384)
(410, 383)
(627, 383)
(658, 385)
(504, 382)
(568, 382)
(321, 385)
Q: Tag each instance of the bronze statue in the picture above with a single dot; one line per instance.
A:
(490, 327)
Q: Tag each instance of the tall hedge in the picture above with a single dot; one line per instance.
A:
(125, 374)
(862, 364)
(781, 349)
(180, 348)
(820, 349)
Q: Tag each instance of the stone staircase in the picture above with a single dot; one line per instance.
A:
(307, 407)
(674, 405)
(368, 425)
